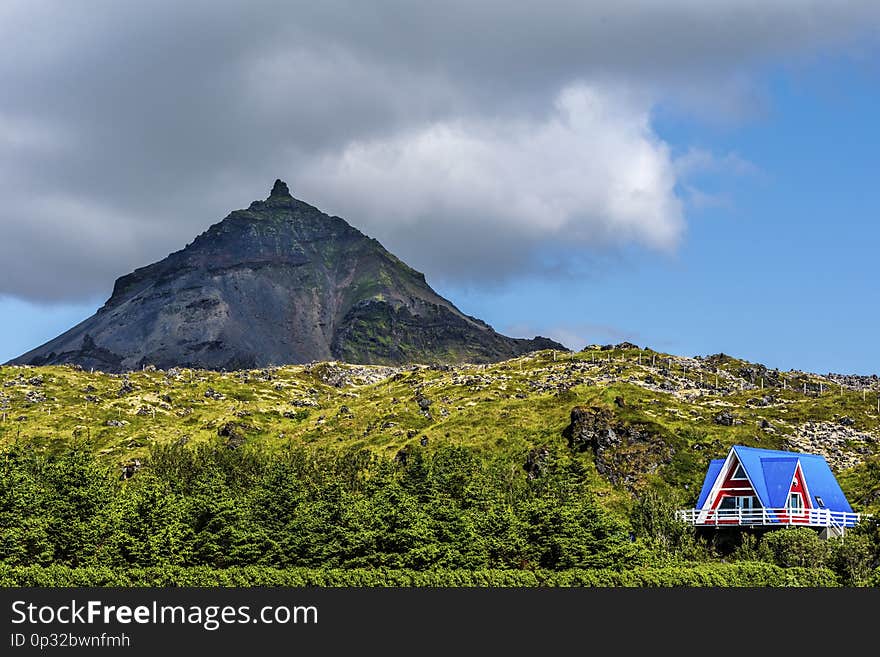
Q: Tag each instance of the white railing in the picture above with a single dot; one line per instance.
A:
(774, 517)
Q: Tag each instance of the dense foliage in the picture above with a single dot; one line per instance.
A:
(222, 508)
(717, 574)
(204, 515)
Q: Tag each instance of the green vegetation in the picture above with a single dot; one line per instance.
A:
(734, 574)
(209, 514)
(421, 475)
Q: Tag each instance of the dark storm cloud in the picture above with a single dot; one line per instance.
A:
(470, 137)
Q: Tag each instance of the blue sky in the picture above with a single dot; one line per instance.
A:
(783, 271)
(487, 145)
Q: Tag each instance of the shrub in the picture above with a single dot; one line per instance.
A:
(745, 574)
(798, 546)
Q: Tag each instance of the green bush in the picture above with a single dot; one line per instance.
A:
(798, 546)
(717, 575)
(851, 557)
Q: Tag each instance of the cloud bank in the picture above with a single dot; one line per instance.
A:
(473, 139)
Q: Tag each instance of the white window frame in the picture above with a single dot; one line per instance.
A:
(740, 502)
(800, 497)
(739, 468)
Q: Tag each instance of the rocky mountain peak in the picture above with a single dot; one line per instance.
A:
(278, 283)
(280, 190)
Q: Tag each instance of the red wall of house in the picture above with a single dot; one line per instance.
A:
(798, 486)
(733, 487)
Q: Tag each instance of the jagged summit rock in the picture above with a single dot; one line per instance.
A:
(277, 283)
(280, 189)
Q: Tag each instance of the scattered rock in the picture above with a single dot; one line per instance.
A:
(235, 433)
(536, 462)
(210, 393)
(343, 375)
(130, 468)
(842, 446)
(846, 421)
(619, 402)
(725, 418)
(35, 397)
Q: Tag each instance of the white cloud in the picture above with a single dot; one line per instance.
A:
(589, 173)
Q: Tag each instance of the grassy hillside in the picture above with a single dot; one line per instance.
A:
(667, 415)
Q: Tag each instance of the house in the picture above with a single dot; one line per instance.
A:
(770, 488)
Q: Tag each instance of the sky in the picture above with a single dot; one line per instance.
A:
(693, 177)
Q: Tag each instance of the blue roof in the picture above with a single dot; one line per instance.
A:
(778, 474)
(711, 476)
(771, 472)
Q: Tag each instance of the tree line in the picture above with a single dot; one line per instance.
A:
(451, 509)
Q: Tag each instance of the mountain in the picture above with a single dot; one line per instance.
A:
(278, 283)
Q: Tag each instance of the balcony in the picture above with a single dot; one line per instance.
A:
(769, 517)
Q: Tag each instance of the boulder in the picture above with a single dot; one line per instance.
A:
(725, 418)
(536, 462)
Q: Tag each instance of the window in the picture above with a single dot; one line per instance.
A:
(795, 501)
(745, 502)
(739, 473)
(820, 502)
(727, 502)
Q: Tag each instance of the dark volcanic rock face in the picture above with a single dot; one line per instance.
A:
(280, 282)
(624, 454)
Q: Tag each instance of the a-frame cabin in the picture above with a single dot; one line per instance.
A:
(753, 486)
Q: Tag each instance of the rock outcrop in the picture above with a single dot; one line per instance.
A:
(623, 453)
